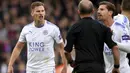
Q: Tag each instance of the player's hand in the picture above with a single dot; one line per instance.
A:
(10, 69)
(64, 70)
(115, 70)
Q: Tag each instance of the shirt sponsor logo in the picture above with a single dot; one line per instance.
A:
(36, 46)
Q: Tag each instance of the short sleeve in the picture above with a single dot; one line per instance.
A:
(69, 41)
(125, 37)
(57, 35)
(22, 37)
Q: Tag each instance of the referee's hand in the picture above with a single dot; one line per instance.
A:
(10, 69)
(72, 64)
(115, 70)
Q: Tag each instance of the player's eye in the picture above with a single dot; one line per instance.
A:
(38, 11)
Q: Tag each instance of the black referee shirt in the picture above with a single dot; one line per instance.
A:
(88, 37)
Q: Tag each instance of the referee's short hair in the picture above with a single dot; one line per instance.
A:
(110, 6)
(125, 5)
(85, 8)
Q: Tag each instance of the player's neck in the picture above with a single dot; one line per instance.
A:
(39, 24)
(108, 22)
(127, 14)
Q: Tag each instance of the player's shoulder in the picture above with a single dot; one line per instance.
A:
(120, 17)
(121, 20)
(51, 25)
(29, 25)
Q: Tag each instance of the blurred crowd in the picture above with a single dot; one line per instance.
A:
(15, 14)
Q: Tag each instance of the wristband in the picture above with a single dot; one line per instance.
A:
(116, 66)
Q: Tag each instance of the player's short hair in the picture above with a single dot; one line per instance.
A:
(35, 4)
(125, 5)
(85, 9)
(110, 6)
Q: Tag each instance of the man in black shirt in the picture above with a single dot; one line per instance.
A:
(88, 37)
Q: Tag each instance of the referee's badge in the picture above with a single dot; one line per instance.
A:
(45, 32)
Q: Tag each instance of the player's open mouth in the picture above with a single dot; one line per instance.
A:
(41, 17)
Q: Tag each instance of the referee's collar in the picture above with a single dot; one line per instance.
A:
(87, 18)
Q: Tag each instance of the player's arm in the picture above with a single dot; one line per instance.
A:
(124, 43)
(111, 44)
(58, 38)
(64, 61)
(124, 46)
(14, 55)
(116, 55)
(16, 51)
(122, 38)
(61, 46)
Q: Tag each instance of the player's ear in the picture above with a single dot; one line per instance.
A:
(110, 13)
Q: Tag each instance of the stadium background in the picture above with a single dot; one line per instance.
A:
(14, 14)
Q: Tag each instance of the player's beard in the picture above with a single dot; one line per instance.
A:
(38, 21)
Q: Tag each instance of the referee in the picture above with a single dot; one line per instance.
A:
(88, 37)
